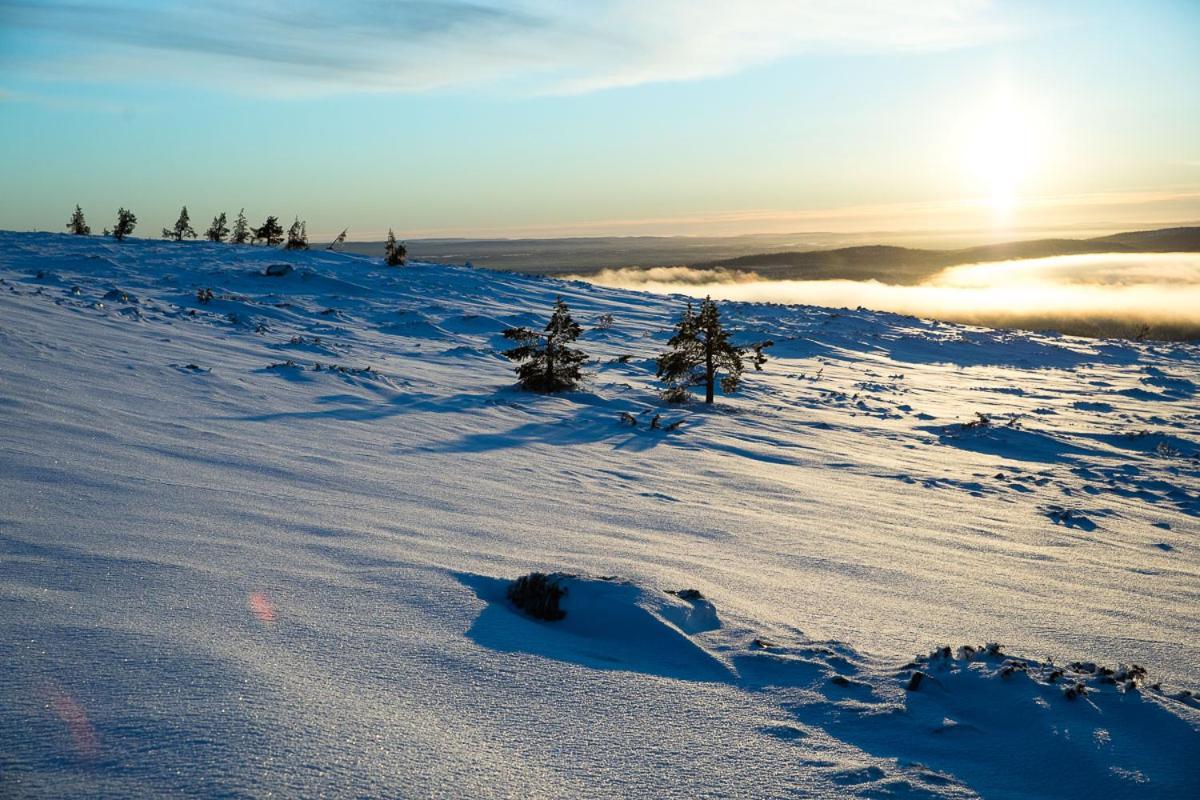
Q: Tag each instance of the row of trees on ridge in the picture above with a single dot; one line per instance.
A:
(270, 232)
(700, 353)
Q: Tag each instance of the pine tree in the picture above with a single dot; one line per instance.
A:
(270, 232)
(340, 240)
(218, 230)
(183, 227)
(548, 364)
(297, 237)
(394, 252)
(77, 225)
(126, 222)
(678, 367)
(699, 350)
(241, 231)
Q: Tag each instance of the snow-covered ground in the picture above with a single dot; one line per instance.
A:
(226, 571)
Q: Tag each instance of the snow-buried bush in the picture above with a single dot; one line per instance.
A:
(1076, 679)
(1004, 725)
(538, 594)
(600, 622)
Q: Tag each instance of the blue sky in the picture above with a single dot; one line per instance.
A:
(611, 117)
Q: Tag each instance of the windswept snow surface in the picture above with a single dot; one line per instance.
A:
(225, 571)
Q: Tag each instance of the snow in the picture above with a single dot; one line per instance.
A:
(224, 575)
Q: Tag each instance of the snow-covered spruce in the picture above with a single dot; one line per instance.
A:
(701, 350)
(546, 361)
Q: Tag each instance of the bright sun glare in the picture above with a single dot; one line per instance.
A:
(1003, 152)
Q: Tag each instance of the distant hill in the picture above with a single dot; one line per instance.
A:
(586, 254)
(907, 265)
(795, 255)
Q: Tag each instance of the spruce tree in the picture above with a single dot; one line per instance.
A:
(340, 240)
(183, 227)
(700, 349)
(547, 362)
(77, 225)
(241, 231)
(126, 222)
(297, 237)
(218, 230)
(270, 232)
(394, 253)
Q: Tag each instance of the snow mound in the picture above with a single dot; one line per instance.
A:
(238, 512)
(1006, 727)
(607, 623)
(1011, 727)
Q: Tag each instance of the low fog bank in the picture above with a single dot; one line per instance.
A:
(1106, 294)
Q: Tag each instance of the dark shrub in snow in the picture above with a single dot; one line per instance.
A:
(981, 421)
(537, 594)
(677, 395)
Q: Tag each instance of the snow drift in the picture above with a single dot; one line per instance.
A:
(256, 540)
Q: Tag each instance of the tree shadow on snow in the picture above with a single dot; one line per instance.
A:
(590, 420)
(352, 408)
(1014, 443)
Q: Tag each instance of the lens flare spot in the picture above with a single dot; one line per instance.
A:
(262, 607)
(84, 739)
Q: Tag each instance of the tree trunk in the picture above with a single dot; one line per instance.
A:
(708, 371)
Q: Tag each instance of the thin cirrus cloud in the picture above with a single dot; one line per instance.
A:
(541, 45)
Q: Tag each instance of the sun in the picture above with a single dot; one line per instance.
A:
(1003, 152)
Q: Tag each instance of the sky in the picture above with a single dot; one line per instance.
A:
(612, 117)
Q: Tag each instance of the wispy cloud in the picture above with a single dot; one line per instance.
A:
(972, 220)
(545, 45)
